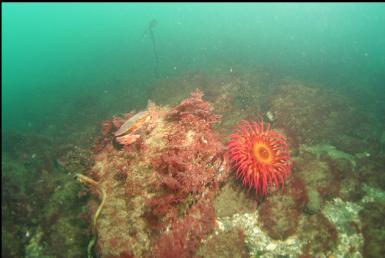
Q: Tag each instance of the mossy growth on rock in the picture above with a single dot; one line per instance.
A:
(225, 244)
(319, 234)
(234, 199)
(373, 229)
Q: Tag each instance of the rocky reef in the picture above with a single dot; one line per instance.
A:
(159, 190)
(166, 188)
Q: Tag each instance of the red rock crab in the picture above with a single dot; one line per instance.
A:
(126, 134)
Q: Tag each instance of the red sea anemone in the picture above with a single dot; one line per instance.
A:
(261, 155)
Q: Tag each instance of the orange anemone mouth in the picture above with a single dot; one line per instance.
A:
(261, 156)
(263, 153)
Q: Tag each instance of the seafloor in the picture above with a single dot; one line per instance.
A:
(174, 193)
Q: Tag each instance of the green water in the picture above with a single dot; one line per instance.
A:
(53, 54)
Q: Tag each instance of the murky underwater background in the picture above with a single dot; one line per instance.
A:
(313, 71)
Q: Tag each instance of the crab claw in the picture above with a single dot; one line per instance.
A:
(127, 139)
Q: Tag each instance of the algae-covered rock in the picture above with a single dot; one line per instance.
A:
(226, 244)
(344, 215)
(279, 216)
(373, 229)
(258, 242)
(281, 211)
(67, 237)
(332, 152)
(233, 199)
(372, 173)
(314, 203)
(319, 235)
(35, 247)
(154, 195)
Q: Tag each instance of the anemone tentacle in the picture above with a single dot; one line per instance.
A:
(261, 156)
